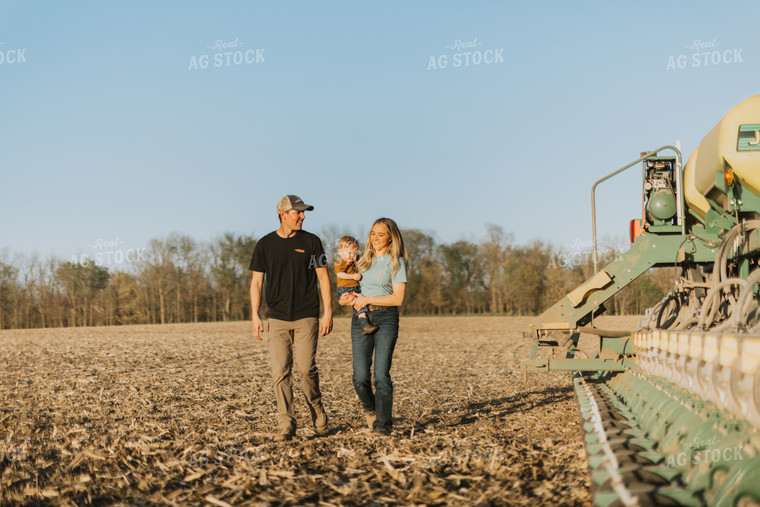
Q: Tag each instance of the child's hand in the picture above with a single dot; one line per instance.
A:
(357, 276)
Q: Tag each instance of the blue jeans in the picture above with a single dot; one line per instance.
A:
(382, 343)
(358, 290)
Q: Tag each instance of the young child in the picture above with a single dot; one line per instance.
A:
(348, 277)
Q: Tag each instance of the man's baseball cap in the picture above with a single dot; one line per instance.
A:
(290, 202)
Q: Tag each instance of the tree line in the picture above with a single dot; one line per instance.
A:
(177, 279)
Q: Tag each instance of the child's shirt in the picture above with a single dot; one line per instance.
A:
(344, 267)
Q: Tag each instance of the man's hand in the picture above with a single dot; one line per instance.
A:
(258, 326)
(325, 324)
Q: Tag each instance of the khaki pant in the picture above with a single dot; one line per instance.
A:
(288, 341)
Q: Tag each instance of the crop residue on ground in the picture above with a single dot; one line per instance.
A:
(183, 414)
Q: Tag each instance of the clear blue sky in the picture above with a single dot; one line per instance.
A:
(106, 130)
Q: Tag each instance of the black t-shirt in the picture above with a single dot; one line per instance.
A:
(290, 282)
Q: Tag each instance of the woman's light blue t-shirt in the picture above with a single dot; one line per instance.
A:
(378, 280)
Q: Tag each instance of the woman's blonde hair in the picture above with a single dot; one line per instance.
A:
(396, 249)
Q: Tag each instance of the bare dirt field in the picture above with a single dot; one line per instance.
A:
(184, 415)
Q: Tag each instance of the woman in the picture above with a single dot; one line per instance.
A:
(383, 284)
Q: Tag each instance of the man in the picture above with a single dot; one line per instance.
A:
(293, 261)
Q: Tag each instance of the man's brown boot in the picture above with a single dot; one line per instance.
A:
(320, 420)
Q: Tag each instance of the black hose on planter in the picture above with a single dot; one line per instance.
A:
(664, 306)
(720, 275)
(707, 315)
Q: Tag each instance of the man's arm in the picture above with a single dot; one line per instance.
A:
(257, 281)
(325, 323)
